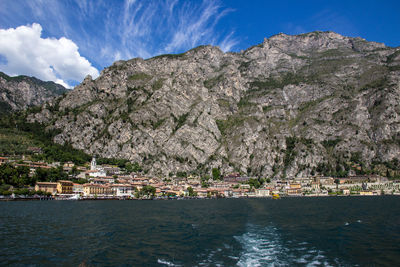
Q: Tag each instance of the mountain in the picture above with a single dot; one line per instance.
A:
(315, 103)
(20, 92)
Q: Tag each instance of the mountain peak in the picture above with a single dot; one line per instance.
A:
(291, 106)
(22, 91)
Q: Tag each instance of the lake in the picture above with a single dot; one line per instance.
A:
(326, 231)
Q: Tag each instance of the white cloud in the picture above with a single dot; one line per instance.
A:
(48, 59)
(106, 31)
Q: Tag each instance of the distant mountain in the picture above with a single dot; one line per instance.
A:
(20, 92)
(315, 103)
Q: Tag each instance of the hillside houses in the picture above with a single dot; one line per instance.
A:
(97, 181)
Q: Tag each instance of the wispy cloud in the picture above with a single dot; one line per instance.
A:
(228, 42)
(327, 19)
(194, 27)
(170, 26)
(324, 20)
(291, 28)
(106, 31)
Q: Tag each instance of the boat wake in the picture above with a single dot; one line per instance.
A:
(166, 263)
(262, 246)
(265, 247)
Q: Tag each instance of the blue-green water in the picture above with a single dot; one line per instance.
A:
(345, 231)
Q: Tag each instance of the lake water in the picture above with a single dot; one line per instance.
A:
(330, 231)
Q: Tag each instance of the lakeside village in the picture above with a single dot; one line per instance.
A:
(25, 179)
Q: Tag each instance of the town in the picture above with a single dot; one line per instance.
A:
(95, 181)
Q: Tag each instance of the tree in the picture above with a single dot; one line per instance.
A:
(5, 190)
(74, 170)
(24, 191)
(137, 193)
(254, 183)
(337, 181)
(17, 176)
(191, 192)
(5, 193)
(216, 174)
(135, 167)
(50, 175)
(204, 184)
(181, 174)
(24, 177)
(148, 190)
(7, 174)
(41, 174)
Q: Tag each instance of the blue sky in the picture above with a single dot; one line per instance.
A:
(65, 40)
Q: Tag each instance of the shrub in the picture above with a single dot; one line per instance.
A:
(140, 76)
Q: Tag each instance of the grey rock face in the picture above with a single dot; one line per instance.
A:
(17, 93)
(281, 108)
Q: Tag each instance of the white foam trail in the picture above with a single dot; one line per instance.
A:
(260, 247)
(167, 263)
(265, 247)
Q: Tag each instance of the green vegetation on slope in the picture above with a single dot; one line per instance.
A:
(17, 136)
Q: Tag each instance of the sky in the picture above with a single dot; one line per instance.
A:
(65, 40)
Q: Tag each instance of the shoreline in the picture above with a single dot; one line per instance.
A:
(177, 198)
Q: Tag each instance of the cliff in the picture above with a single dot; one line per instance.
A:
(290, 106)
(21, 92)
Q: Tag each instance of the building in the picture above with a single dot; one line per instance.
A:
(123, 190)
(97, 190)
(3, 160)
(65, 187)
(364, 178)
(315, 186)
(35, 150)
(244, 186)
(235, 178)
(102, 180)
(201, 192)
(77, 189)
(366, 193)
(294, 189)
(93, 164)
(227, 192)
(96, 171)
(46, 187)
(262, 192)
(112, 170)
(346, 191)
(326, 180)
(69, 164)
(55, 164)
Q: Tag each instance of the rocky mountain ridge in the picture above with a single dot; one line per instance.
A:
(21, 92)
(316, 103)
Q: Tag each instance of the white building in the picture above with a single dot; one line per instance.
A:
(262, 192)
(96, 171)
(93, 165)
(77, 189)
(123, 190)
